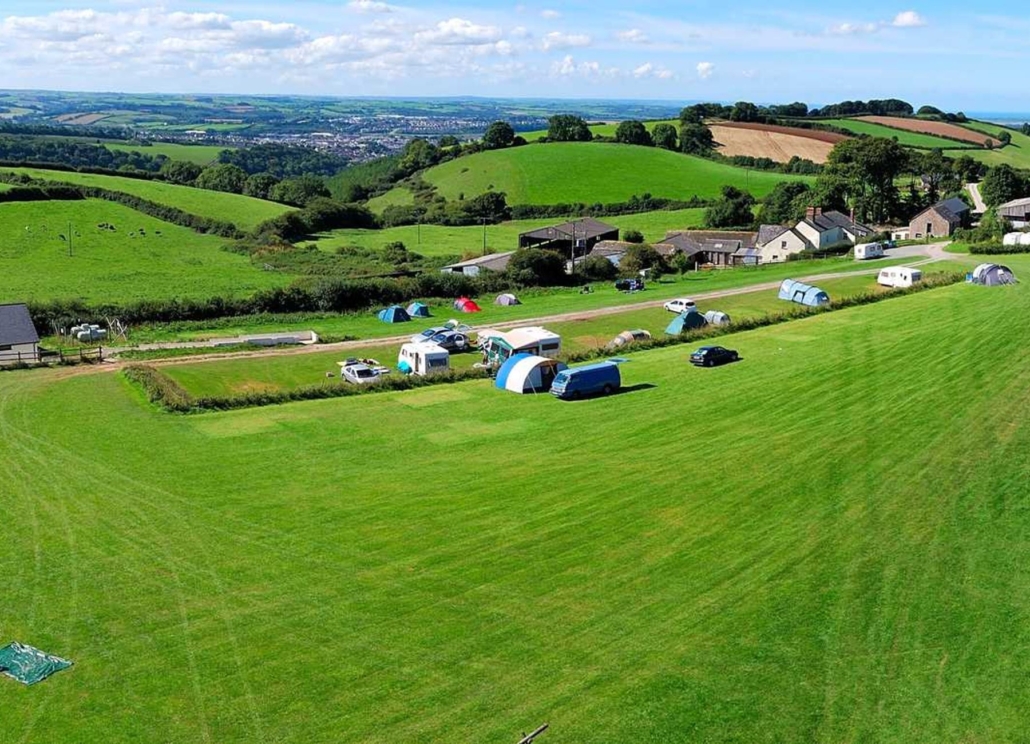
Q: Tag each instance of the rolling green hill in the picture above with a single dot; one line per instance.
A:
(199, 154)
(244, 211)
(1016, 154)
(114, 266)
(825, 557)
(604, 130)
(908, 139)
(591, 172)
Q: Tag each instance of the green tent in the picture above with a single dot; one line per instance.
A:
(29, 665)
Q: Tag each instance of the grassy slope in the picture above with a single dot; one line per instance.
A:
(836, 550)
(112, 266)
(605, 130)
(909, 139)
(246, 212)
(199, 154)
(1016, 154)
(536, 303)
(592, 172)
(438, 240)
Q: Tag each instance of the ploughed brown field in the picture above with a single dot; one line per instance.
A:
(775, 142)
(939, 128)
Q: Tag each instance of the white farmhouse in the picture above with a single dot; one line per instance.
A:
(822, 230)
(776, 242)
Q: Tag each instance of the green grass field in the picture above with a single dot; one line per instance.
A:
(590, 172)
(604, 130)
(1016, 154)
(440, 240)
(199, 154)
(908, 139)
(112, 266)
(535, 304)
(244, 211)
(824, 542)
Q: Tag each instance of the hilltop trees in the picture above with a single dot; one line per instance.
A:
(665, 137)
(633, 133)
(695, 136)
(224, 177)
(1001, 184)
(568, 128)
(498, 136)
(732, 210)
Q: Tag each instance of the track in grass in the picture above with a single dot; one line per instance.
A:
(825, 541)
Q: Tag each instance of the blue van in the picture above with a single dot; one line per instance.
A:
(579, 382)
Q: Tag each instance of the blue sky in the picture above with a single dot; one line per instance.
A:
(950, 54)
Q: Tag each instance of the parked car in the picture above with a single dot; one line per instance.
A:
(713, 356)
(452, 341)
(358, 373)
(578, 382)
(630, 285)
(680, 305)
(427, 334)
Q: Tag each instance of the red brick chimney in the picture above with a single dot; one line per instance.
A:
(810, 213)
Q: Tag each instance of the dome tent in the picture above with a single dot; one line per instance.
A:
(418, 310)
(628, 337)
(465, 305)
(526, 373)
(716, 318)
(394, 314)
(688, 321)
(507, 299)
(803, 294)
(993, 275)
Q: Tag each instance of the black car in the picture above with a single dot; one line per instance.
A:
(713, 356)
(630, 285)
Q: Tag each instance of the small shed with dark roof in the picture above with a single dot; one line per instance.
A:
(19, 341)
(584, 234)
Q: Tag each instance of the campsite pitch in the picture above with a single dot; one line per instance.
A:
(826, 543)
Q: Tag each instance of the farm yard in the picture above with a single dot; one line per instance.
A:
(570, 172)
(660, 595)
(137, 258)
(243, 211)
(778, 143)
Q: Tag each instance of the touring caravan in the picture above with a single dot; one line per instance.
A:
(899, 276)
(423, 359)
(864, 251)
(499, 347)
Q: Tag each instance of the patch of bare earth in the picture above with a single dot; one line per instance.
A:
(776, 145)
(939, 128)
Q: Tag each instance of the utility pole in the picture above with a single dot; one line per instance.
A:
(70, 251)
(573, 272)
(484, 234)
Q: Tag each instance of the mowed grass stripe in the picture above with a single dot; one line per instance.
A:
(243, 211)
(590, 172)
(611, 567)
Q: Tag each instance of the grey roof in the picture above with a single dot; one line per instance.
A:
(691, 242)
(941, 210)
(723, 245)
(610, 248)
(492, 262)
(16, 326)
(586, 228)
(954, 205)
(769, 233)
(833, 219)
(1024, 202)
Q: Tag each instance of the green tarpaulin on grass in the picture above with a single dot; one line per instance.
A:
(29, 665)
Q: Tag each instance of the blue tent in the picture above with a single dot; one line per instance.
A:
(803, 294)
(688, 321)
(418, 310)
(394, 314)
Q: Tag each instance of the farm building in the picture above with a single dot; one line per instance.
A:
(992, 275)
(493, 262)
(394, 314)
(526, 373)
(613, 250)
(499, 347)
(941, 220)
(776, 242)
(584, 234)
(1017, 212)
(803, 294)
(707, 247)
(688, 321)
(821, 230)
(19, 341)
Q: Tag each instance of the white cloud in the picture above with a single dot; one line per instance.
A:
(648, 70)
(908, 19)
(550, 14)
(850, 29)
(705, 70)
(559, 40)
(568, 67)
(369, 6)
(459, 31)
(633, 36)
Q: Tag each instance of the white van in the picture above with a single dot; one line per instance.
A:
(899, 276)
(868, 250)
(423, 359)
